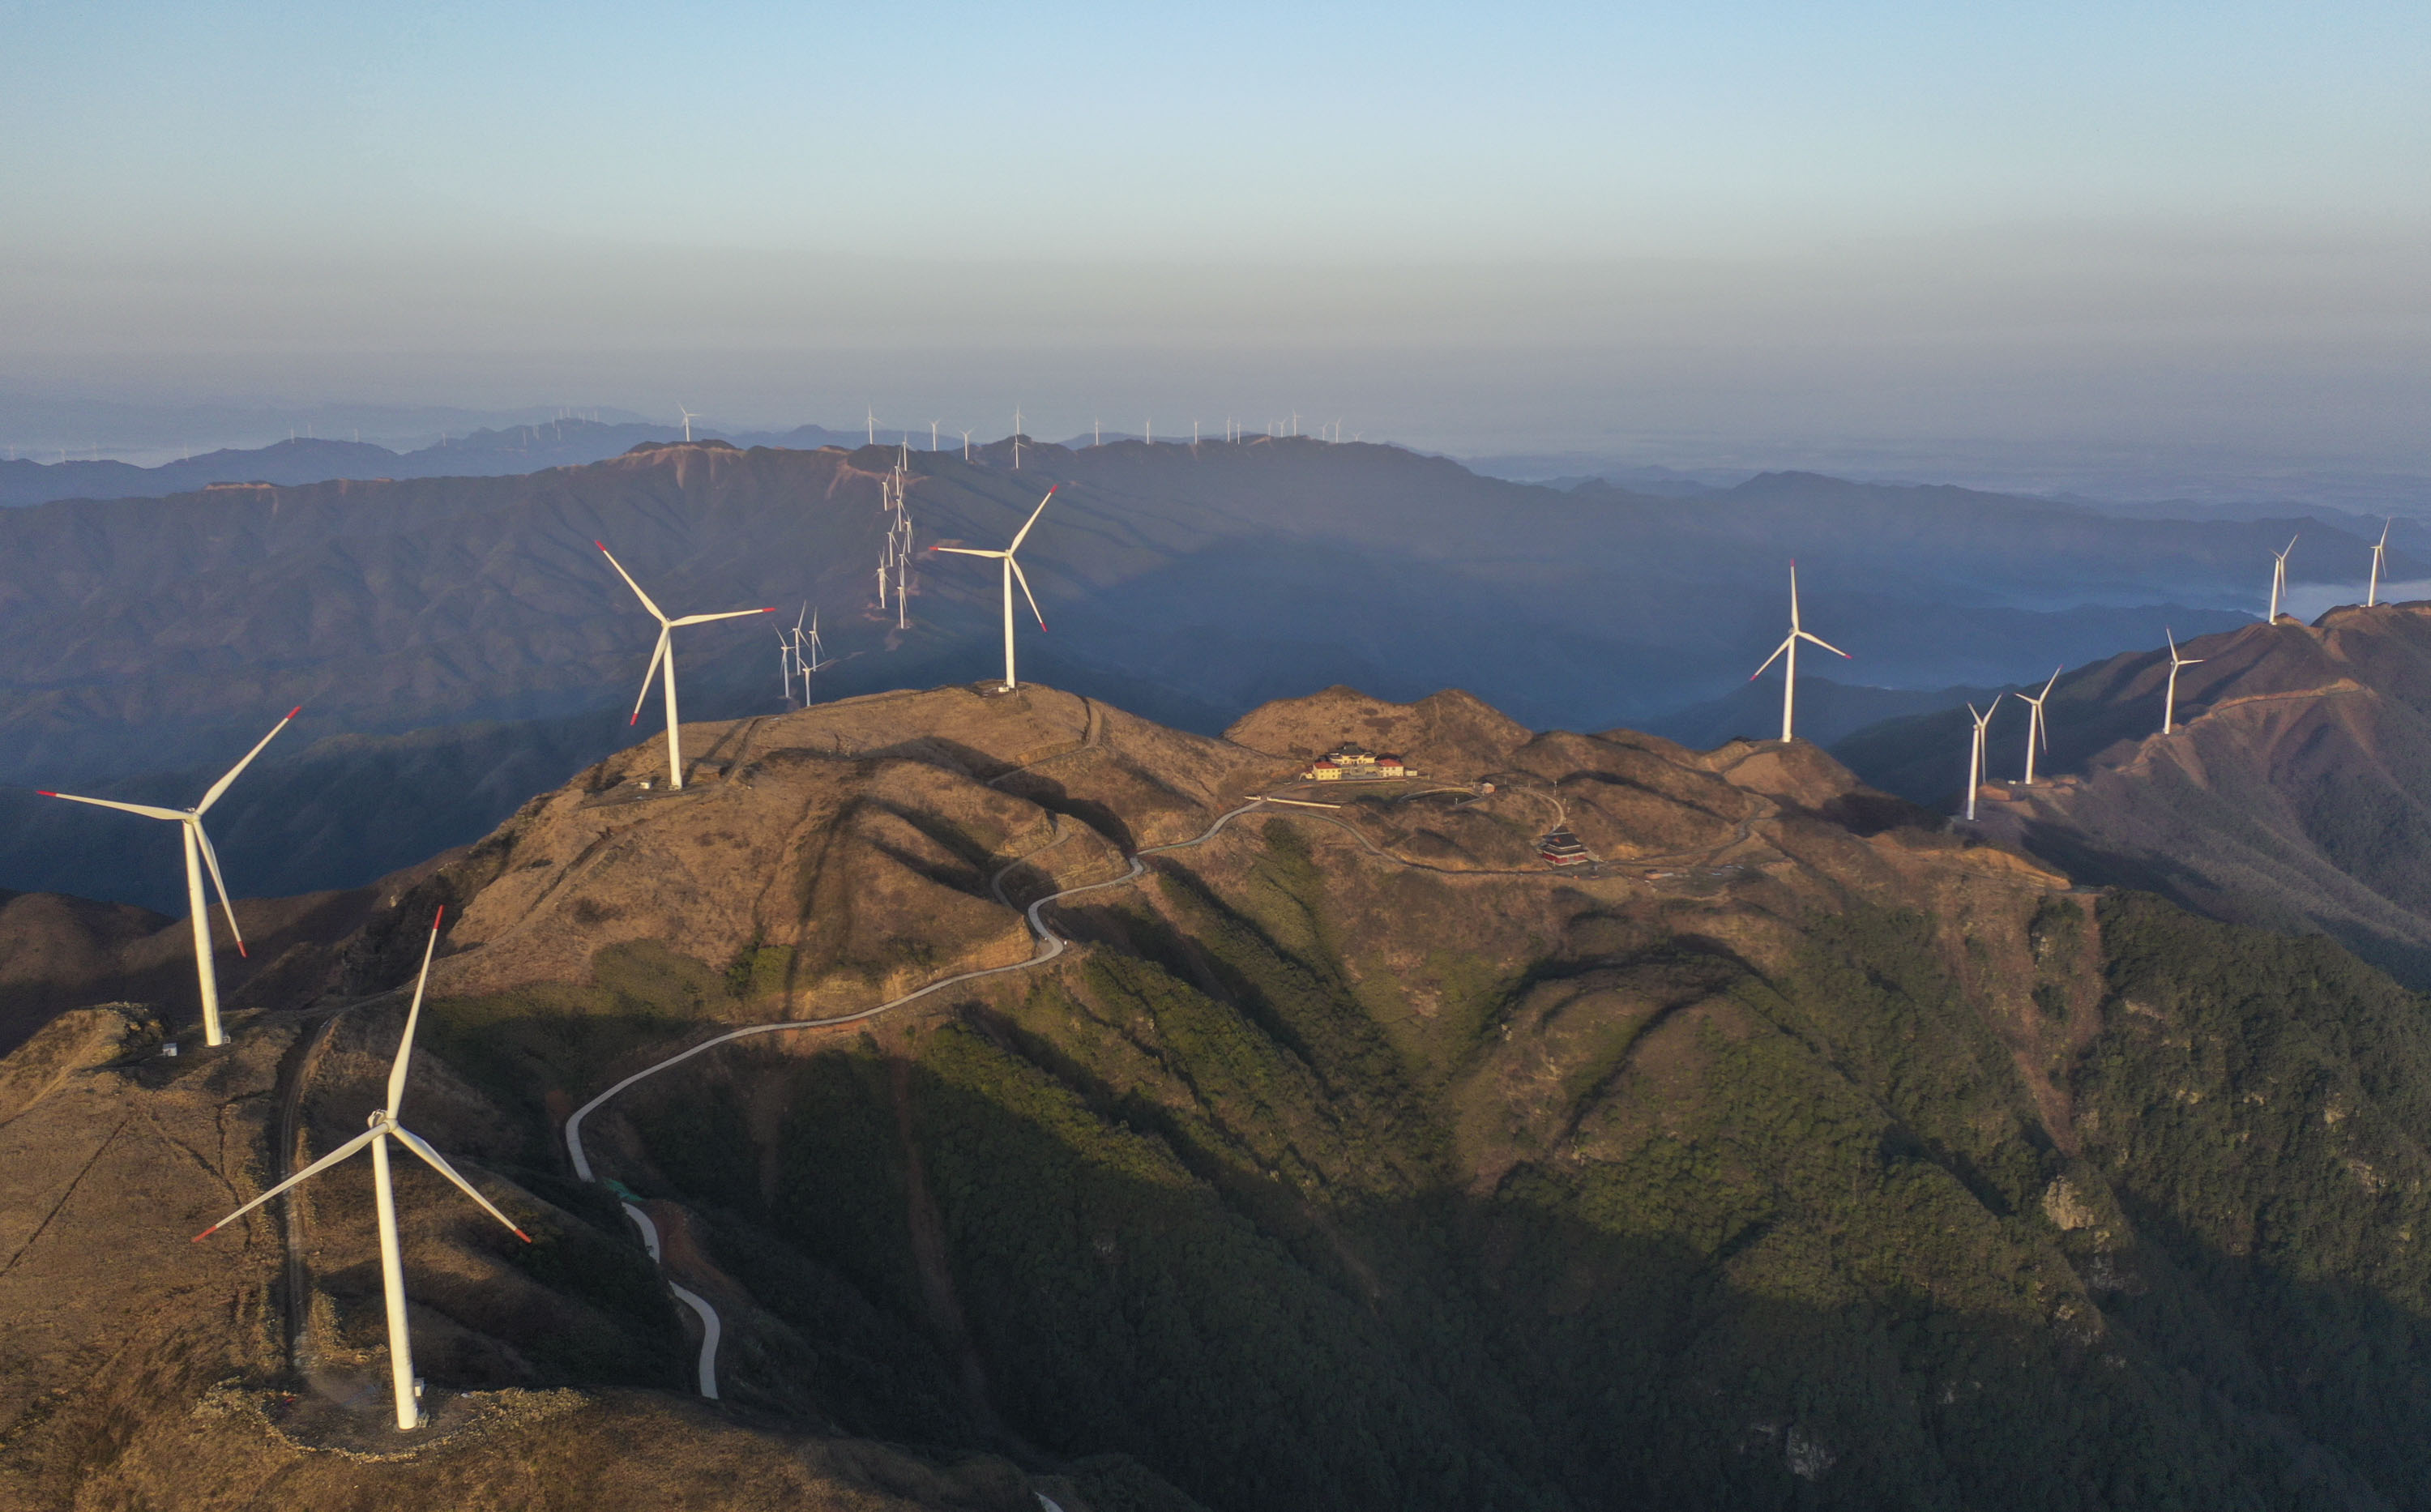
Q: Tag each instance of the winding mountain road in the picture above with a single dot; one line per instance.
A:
(1050, 946)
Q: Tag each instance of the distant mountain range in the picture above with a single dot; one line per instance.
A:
(464, 638)
(488, 453)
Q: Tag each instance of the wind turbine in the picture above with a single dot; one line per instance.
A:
(688, 418)
(2379, 550)
(873, 424)
(785, 664)
(1016, 438)
(1790, 647)
(384, 1128)
(2036, 736)
(966, 446)
(1975, 757)
(932, 433)
(1012, 571)
(665, 653)
(2279, 577)
(198, 856)
(2170, 699)
(811, 661)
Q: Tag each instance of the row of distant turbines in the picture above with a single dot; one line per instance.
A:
(2038, 730)
(1234, 429)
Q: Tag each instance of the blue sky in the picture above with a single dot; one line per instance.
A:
(2231, 196)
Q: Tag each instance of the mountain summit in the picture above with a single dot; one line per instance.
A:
(1120, 1117)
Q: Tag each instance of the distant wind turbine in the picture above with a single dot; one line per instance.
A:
(966, 446)
(2379, 551)
(932, 433)
(873, 425)
(2038, 735)
(1012, 571)
(664, 654)
(199, 856)
(1788, 647)
(688, 418)
(384, 1128)
(1975, 756)
(2170, 699)
(809, 655)
(2279, 577)
(1016, 443)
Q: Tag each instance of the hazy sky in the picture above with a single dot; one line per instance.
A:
(1535, 225)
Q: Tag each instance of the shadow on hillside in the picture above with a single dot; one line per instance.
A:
(1135, 1283)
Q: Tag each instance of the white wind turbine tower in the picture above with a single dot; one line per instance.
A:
(1016, 438)
(1975, 756)
(384, 1128)
(2279, 577)
(807, 654)
(932, 433)
(785, 664)
(966, 446)
(2379, 551)
(688, 418)
(1012, 571)
(873, 425)
(1790, 647)
(2170, 699)
(2038, 736)
(664, 654)
(198, 856)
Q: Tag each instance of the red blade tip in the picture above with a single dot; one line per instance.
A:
(241, 950)
(297, 709)
(601, 545)
(41, 793)
(205, 1235)
(521, 1234)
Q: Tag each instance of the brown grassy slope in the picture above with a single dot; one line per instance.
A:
(2296, 794)
(59, 952)
(139, 1369)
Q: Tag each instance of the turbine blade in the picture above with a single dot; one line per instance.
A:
(703, 619)
(306, 1174)
(438, 1163)
(1028, 523)
(630, 582)
(1819, 640)
(2047, 687)
(145, 809)
(1774, 657)
(1024, 581)
(211, 862)
(222, 785)
(658, 651)
(967, 551)
(412, 1016)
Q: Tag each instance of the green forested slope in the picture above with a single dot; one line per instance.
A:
(1805, 1240)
